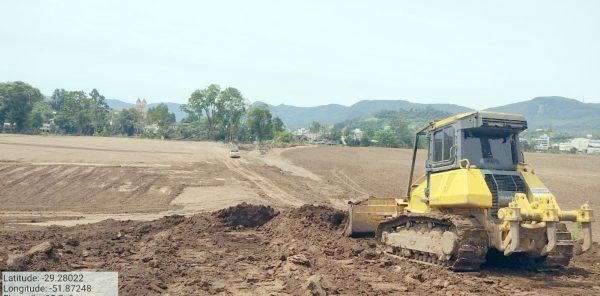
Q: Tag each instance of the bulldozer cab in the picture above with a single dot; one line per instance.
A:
(484, 140)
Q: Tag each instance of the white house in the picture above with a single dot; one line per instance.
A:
(542, 143)
(357, 134)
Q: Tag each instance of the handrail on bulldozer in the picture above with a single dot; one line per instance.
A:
(414, 159)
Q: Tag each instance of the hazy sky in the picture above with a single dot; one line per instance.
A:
(473, 53)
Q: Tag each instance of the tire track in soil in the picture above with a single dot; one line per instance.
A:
(273, 191)
(93, 148)
(342, 177)
(73, 187)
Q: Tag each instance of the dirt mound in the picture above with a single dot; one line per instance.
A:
(41, 257)
(247, 215)
(321, 215)
(299, 251)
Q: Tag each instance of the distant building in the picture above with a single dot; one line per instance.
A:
(300, 132)
(45, 128)
(312, 137)
(566, 146)
(542, 143)
(592, 150)
(151, 128)
(581, 145)
(304, 134)
(357, 134)
(593, 146)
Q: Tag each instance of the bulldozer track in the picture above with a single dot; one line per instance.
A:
(473, 240)
(391, 255)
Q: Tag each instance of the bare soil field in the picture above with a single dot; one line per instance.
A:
(157, 212)
(573, 179)
(70, 180)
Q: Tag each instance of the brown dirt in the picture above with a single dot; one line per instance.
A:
(245, 249)
(297, 252)
(71, 180)
(246, 215)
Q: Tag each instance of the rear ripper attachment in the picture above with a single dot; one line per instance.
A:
(522, 217)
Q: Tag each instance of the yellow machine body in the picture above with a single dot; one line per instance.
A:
(459, 188)
(511, 203)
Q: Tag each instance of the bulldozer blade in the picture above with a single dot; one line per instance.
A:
(364, 217)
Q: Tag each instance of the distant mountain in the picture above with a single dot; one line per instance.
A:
(116, 104)
(296, 117)
(557, 113)
(173, 107)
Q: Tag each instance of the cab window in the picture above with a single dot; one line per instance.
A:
(443, 141)
(438, 146)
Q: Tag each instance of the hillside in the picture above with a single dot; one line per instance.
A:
(117, 104)
(558, 113)
(296, 117)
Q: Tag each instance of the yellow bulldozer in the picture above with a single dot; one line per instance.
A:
(477, 196)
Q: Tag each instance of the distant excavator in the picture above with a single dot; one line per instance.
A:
(477, 195)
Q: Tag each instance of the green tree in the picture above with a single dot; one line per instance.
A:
(386, 138)
(260, 123)
(17, 100)
(161, 116)
(231, 109)
(98, 111)
(368, 135)
(197, 129)
(284, 137)
(403, 134)
(314, 127)
(78, 113)
(277, 125)
(125, 122)
(204, 102)
(74, 116)
(1, 111)
(42, 112)
(334, 135)
(58, 98)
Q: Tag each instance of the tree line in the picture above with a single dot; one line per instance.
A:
(224, 114)
(393, 129)
(212, 114)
